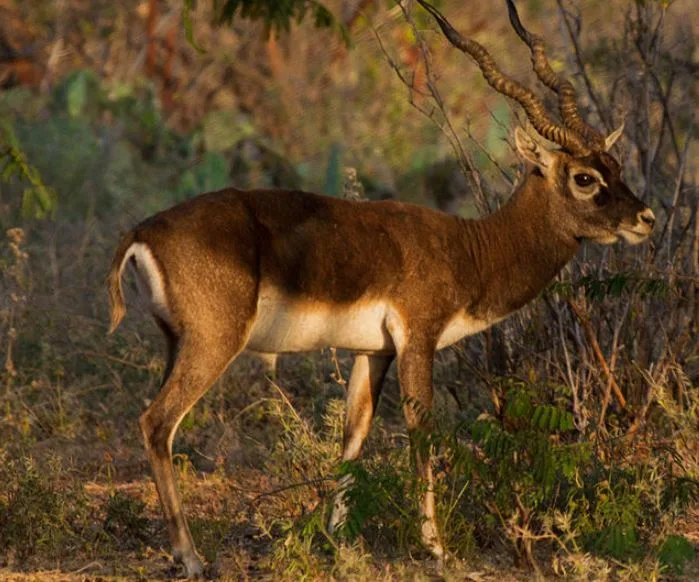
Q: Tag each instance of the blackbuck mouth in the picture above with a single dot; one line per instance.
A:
(636, 234)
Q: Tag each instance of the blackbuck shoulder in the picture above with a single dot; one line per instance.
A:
(286, 271)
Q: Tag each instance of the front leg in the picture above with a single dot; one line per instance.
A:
(415, 361)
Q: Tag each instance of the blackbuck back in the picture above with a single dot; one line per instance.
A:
(275, 271)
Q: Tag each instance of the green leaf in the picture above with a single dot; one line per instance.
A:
(618, 541)
(45, 199)
(541, 420)
(536, 419)
(567, 421)
(9, 170)
(554, 419)
(519, 404)
(223, 129)
(27, 203)
(481, 430)
(76, 94)
(38, 200)
(333, 173)
(551, 419)
(675, 552)
(190, 5)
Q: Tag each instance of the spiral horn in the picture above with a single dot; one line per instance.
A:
(566, 137)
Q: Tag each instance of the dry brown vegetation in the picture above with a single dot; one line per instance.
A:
(568, 434)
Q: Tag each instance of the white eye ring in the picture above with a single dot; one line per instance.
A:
(592, 182)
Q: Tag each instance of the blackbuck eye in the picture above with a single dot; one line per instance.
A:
(583, 180)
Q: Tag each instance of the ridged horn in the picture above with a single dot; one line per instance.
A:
(532, 105)
(567, 96)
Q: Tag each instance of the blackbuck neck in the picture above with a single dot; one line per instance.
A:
(515, 252)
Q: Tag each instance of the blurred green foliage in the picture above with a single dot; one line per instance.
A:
(97, 147)
(674, 552)
(37, 200)
(333, 172)
(277, 15)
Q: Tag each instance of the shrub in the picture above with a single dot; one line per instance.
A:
(42, 511)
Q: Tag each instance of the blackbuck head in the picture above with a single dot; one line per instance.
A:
(587, 195)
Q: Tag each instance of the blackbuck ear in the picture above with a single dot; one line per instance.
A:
(534, 152)
(610, 140)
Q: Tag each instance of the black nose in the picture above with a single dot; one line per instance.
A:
(647, 216)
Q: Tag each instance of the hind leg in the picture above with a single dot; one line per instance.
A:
(172, 343)
(363, 393)
(197, 361)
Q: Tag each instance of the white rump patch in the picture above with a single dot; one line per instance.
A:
(149, 278)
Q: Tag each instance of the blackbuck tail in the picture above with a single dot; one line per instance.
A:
(117, 307)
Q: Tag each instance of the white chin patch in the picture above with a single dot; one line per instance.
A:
(631, 237)
(606, 239)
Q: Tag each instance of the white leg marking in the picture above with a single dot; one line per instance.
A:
(429, 530)
(339, 513)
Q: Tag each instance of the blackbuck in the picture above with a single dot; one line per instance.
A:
(275, 271)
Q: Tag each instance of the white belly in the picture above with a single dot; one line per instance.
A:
(285, 325)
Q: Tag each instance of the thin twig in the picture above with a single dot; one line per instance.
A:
(578, 413)
(490, 157)
(93, 564)
(664, 97)
(641, 416)
(612, 364)
(308, 483)
(666, 235)
(573, 35)
(288, 403)
(590, 334)
(92, 354)
(445, 126)
(337, 374)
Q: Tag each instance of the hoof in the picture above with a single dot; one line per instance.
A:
(193, 567)
(340, 509)
(430, 540)
(337, 518)
(194, 570)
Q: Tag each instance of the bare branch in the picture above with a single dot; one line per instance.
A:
(573, 35)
